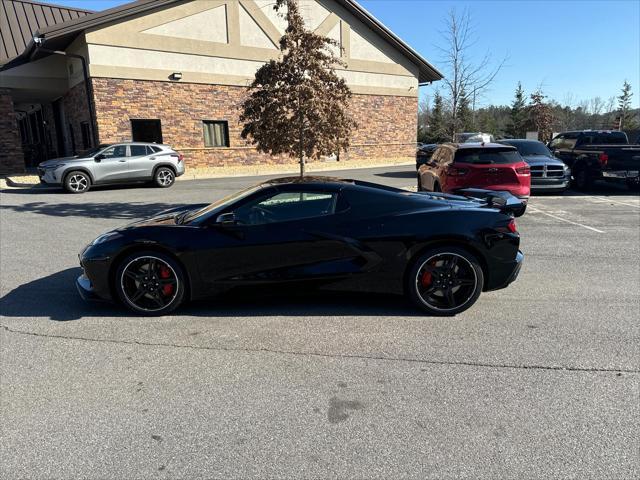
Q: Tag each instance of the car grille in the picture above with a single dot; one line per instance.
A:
(547, 171)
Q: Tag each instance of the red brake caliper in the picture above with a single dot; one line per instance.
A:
(164, 274)
(426, 277)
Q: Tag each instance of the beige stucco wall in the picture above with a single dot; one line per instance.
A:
(244, 34)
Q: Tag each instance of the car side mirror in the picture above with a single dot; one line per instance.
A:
(98, 157)
(226, 219)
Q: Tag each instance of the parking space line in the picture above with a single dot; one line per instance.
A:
(535, 210)
(618, 202)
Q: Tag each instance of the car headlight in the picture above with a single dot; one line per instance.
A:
(53, 167)
(105, 237)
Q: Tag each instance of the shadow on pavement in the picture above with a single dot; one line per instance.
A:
(116, 210)
(55, 297)
(408, 174)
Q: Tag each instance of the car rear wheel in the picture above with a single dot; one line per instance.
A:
(150, 283)
(445, 281)
(583, 179)
(164, 177)
(77, 182)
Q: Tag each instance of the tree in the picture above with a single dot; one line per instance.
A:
(297, 104)
(627, 120)
(437, 131)
(464, 116)
(518, 116)
(541, 115)
(464, 77)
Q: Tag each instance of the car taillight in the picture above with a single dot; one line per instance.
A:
(603, 158)
(180, 157)
(457, 172)
(523, 170)
(512, 226)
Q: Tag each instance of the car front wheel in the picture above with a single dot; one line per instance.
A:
(445, 281)
(164, 177)
(150, 283)
(77, 182)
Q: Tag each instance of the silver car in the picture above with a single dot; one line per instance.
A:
(116, 163)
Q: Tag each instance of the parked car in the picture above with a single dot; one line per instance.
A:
(548, 173)
(473, 137)
(423, 153)
(595, 155)
(441, 251)
(114, 163)
(492, 166)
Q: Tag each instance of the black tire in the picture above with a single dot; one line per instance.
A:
(164, 177)
(634, 185)
(583, 179)
(77, 182)
(433, 291)
(150, 283)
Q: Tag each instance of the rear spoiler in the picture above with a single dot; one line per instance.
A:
(501, 200)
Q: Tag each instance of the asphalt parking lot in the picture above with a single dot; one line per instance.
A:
(539, 380)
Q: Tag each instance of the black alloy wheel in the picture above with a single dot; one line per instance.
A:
(77, 182)
(150, 283)
(446, 281)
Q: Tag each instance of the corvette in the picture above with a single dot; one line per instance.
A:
(439, 250)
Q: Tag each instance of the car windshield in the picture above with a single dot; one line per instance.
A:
(487, 155)
(220, 204)
(92, 151)
(531, 148)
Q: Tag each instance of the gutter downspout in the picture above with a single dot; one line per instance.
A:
(88, 86)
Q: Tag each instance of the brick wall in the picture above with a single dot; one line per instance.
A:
(11, 156)
(76, 111)
(386, 125)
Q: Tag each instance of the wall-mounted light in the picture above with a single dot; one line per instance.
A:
(175, 76)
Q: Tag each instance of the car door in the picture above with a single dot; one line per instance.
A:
(111, 165)
(141, 161)
(282, 236)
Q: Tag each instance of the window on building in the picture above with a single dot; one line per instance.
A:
(149, 130)
(216, 133)
(86, 135)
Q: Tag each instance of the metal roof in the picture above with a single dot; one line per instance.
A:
(20, 19)
(59, 36)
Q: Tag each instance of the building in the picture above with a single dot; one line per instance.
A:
(176, 71)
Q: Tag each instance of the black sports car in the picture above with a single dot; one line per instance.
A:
(441, 250)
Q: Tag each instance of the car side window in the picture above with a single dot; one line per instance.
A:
(286, 206)
(138, 150)
(557, 142)
(115, 152)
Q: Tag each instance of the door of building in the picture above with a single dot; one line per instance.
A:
(146, 131)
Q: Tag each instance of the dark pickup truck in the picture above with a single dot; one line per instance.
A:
(596, 155)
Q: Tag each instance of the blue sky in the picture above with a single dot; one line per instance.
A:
(573, 48)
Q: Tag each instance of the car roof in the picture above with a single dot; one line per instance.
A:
(475, 145)
(519, 140)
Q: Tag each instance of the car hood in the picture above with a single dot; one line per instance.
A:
(166, 217)
(535, 160)
(54, 161)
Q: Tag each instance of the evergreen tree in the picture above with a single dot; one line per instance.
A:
(627, 117)
(518, 115)
(437, 127)
(465, 116)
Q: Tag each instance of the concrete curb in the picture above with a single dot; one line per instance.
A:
(30, 181)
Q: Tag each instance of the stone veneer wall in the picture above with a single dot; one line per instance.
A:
(76, 111)
(387, 125)
(11, 155)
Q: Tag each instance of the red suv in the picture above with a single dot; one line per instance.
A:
(490, 166)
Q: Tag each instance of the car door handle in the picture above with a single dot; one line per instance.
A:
(122, 160)
(152, 158)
